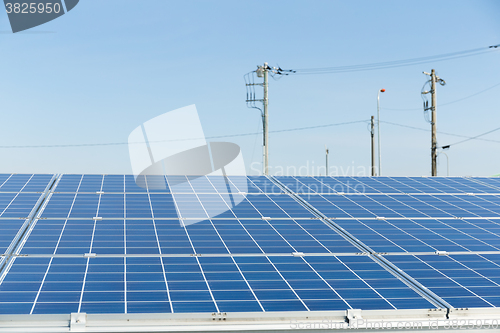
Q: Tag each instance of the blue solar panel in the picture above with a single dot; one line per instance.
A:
(24, 183)
(246, 244)
(463, 281)
(191, 284)
(425, 235)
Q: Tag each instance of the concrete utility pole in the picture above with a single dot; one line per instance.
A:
(434, 79)
(266, 129)
(372, 133)
(263, 72)
(433, 124)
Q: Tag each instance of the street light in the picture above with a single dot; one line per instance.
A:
(378, 132)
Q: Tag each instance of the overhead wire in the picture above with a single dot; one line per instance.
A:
(446, 133)
(175, 140)
(448, 103)
(477, 137)
(395, 63)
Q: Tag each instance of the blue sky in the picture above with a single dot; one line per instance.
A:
(96, 73)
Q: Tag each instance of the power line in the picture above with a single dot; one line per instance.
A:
(475, 137)
(259, 133)
(395, 63)
(445, 133)
(448, 103)
(211, 137)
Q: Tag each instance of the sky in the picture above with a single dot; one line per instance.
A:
(95, 74)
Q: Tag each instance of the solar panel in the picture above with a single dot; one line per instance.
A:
(462, 280)
(103, 244)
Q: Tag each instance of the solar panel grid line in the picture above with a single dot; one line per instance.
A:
(14, 198)
(329, 186)
(90, 250)
(125, 291)
(437, 235)
(308, 233)
(379, 233)
(293, 248)
(374, 180)
(349, 198)
(454, 280)
(494, 183)
(23, 232)
(475, 189)
(379, 203)
(438, 223)
(414, 218)
(288, 284)
(496, 247)
(342, 209)
(487, 278)
(270, 199)
(419, 186)
(444, 188)
(347, 180)
(413, 208)
(488, 200)
(342, 232)
(5, 181)
(55, 250)
(385, 236)
(468, 202)
(381, 296)
(391, 268)
(237, 219)
(414, 284)
(176, 206)
(304, 203)
(197, 260)
(326, 282)
(229, 252)
(276, 268)
(41, 285)
(479, 187)
(161, 259)
(436, 206)
(227, 248)
(372, 194)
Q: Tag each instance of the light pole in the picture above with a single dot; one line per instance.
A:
(378, 133)
(447, 163)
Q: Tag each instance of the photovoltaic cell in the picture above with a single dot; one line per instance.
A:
(145, 243)
(463, 281)
(138, 285)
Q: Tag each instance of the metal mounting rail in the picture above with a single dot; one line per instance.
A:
(20, 237)
(378, 258)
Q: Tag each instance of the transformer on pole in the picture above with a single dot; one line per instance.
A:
(262, 72)
(433, 80)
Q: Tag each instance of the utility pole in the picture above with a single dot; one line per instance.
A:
(433, 124)
(265, 68)
(263, 72)
(434, 79)
(372, 133)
